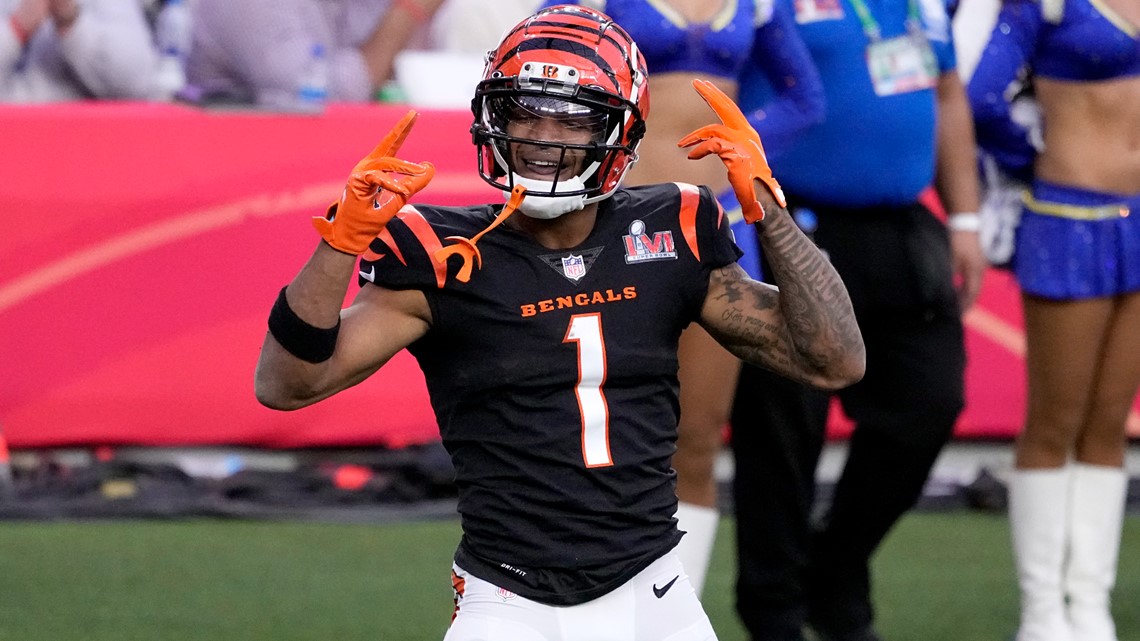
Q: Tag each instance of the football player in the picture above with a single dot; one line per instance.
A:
(547, 329)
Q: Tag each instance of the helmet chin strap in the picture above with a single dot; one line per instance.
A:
(543, 207)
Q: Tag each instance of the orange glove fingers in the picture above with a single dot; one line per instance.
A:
(704, 133)
(737, 144)
(394, 165)
(392, 141)
(740, 173)
(724, 107)
(408, 179)
(713, 146)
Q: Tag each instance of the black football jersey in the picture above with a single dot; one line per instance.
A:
(553, 376)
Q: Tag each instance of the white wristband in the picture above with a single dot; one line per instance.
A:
(965, 221)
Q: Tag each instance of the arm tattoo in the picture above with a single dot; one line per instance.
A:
(813, 331)
(744, 325)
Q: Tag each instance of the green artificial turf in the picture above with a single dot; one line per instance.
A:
(939, 577)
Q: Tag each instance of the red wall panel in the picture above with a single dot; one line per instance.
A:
(142, 246)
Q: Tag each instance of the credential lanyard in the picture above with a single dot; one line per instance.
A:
(871, 26)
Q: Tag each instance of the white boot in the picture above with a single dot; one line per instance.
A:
(695, 549)
(1096, 508)
(1038, 511)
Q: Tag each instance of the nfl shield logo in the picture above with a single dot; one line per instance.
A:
(573, 267)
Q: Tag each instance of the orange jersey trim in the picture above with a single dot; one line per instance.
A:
(385, 236)
(690, 200)
(423, 232)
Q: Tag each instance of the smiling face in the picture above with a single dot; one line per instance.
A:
(551, 123)
(547, 162)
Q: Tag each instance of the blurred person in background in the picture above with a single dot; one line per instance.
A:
(713, 41)
(61, 50)
(475, 26)
(259, 51)
(552, 369)
(897, 122)
(1077, 261)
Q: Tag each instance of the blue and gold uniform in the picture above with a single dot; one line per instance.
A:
(1071, 243)
(562, 444)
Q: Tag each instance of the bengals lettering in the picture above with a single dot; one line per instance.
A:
(579, 300)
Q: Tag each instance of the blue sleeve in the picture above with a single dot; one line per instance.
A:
(936, 24)
(946, 56)
(1003, 62)
(797, 103)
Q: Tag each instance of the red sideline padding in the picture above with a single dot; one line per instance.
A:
(144, 244)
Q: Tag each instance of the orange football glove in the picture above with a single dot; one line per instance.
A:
(739, 148)
(377, 188)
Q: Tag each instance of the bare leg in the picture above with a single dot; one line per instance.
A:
(1064, 353)
(708, 376)
(1102, 439)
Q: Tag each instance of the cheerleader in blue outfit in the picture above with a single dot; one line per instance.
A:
(713, 40)
(1077, 259)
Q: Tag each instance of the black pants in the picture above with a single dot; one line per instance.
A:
(896, 265)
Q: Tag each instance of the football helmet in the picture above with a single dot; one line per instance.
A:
(563, 99)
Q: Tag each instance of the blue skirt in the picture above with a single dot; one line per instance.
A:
(1074, 243)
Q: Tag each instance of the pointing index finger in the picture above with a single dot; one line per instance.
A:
(724, 107)
(394, 139)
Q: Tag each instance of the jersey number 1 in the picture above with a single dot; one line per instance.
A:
(586, 331)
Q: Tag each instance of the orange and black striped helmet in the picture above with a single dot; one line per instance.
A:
(565, 62)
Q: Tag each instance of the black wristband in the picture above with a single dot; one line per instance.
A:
(305, 341)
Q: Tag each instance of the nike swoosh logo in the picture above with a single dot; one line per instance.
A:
(369, 275)
(660, 591)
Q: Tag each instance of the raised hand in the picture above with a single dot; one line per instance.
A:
(379, 185)
(739, 148)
